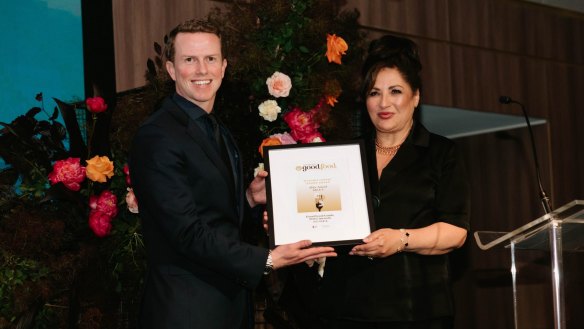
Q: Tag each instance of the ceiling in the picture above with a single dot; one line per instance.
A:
(573, 5)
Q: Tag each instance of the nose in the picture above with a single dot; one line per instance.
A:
(385, 100)
(201, 68)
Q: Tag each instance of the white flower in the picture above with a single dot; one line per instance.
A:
(259, 168)
(317, 139)
(269, 110)
(279, 85)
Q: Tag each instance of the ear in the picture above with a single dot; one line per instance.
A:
(224, 66)
(417, 98)
(170, 70)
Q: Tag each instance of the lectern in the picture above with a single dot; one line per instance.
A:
(560, 231)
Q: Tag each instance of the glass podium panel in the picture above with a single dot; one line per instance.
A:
(538, 252)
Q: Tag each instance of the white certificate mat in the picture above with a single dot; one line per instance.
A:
(318, 192)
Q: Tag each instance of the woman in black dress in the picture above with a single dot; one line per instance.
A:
(399, 276)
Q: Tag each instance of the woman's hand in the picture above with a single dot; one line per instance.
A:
(436, 239)
(381, 243)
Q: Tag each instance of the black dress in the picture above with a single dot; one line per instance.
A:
(424, 183)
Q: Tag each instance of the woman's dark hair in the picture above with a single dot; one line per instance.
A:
(389, 51)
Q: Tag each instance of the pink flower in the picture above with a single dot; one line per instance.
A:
(100, 223)
(96, 104)
(132, 201)
(105, 203)
(70, 172)
(279, 85)
(284, 138)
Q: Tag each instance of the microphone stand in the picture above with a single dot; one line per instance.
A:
(545, 200)
(554, 235)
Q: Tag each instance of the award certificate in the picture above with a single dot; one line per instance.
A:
(318, 192)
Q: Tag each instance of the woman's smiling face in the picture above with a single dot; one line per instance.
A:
(391, 102)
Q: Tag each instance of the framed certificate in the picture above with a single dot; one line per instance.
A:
(318, 192)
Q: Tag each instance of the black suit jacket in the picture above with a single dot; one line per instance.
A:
(199, 270)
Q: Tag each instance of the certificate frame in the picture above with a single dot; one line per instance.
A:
(319, 192)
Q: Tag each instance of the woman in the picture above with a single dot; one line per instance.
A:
(398, 278)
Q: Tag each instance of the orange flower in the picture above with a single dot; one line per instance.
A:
(335, 48)
(331, 100)
(268, 142)
(332, 91)
(99, 169)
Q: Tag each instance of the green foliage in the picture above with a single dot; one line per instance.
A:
(29, 146)
(15, 272)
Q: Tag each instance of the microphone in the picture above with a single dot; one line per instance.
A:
(545, 200)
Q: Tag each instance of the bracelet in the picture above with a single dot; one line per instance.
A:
(405, 238)
(269, 264)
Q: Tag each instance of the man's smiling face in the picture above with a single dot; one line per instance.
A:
(198, 67)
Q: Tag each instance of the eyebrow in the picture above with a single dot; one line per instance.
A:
(392, 86)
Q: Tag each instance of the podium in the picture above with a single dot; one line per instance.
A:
(560, 231)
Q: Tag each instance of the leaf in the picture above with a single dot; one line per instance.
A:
(158, 48)
(303, 50)
(55, 114)
(77, 145)
(33, 111)
(151, 68)
(58, 131)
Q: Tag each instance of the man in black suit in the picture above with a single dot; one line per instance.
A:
(192, 201)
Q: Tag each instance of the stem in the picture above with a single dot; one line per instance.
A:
(90, 137)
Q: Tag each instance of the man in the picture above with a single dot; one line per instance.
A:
(192, 201)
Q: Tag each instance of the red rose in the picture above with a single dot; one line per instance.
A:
(105, 203)
(100, 223)
(70, 172)
(96, 104)
(300, 122)
(127, 173)
(302, 125)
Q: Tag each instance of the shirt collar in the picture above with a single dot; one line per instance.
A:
(191, 109)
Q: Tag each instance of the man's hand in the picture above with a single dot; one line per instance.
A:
(256, 192)
(265, 222)
(294, 253)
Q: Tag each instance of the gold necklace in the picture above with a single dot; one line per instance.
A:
(390, 150)
(386, 150)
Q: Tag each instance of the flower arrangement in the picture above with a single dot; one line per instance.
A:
(291, 73)
(70, 202)
(103, 207)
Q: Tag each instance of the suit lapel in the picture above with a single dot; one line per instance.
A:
(200, 137)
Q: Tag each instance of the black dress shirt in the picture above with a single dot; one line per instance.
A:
(425, 183)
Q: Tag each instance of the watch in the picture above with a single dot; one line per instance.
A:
(269, 264)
